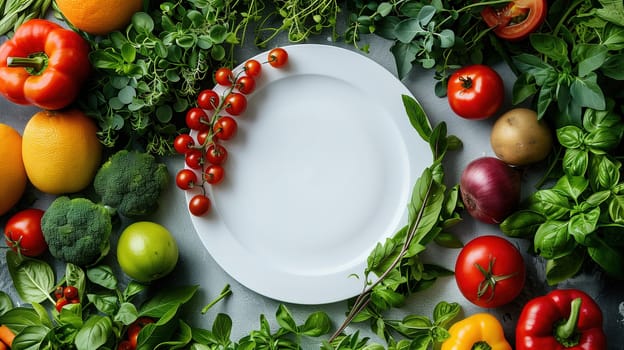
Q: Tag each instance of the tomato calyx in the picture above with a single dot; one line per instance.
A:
(490, 280)
(466, 82)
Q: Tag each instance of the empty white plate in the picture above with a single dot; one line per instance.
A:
(321, 169)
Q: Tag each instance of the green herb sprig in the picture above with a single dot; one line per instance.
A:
(16, 12)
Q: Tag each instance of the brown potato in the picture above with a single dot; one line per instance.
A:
(519, 138)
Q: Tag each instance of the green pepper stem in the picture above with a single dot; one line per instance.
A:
(567, 329)
(36, 63)
(481, 346)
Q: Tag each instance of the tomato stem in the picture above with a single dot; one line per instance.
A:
(490, 279)
(466, 82)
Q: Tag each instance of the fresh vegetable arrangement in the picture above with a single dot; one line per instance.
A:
(141, 86)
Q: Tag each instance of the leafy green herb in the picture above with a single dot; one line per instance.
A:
(579, 218)
(16, 12)
(148, 75)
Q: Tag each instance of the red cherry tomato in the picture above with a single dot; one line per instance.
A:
(278, 57)
(475, 92)
(135, 328)
(245, 84)
(22, 233)
(70, 293)
(60, 303)
(125, 345)
(235, 103)
(216, 154)
(194, 159)
(490, 271)
(517, 19)
(199, 205)
(253, 68)
(196, 119)
(214, 174)
(58, 292)
(225, 128)
(224, 76)
(186, 179)
(208, 99)
(203, 135)
(183, 143)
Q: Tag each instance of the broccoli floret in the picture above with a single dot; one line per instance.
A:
(77, 230)
(131, 182)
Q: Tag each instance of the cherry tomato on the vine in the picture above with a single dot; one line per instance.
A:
(224, 76)
(253, 68)
(245, 84)
(208, 99)
(202, 136)
(490, 271)
(216, 154)
(194, 159)
(278, 57)
(199, 205)
(58, 292)
(235, 103)
(22, 232)
(475, 91)
(225, 128)
(186, 179)
(196, 119)
(214, 174)
(183, 143)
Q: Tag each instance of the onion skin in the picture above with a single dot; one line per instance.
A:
(490, 189)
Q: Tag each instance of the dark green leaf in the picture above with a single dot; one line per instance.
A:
(610, 258)
(445, 313)
(551, 46)
(550, 203)
(128, 52)
(571, 186)
(222, 328)
(285, 319)
(523, 88)
(613, 67)
(94, 333)
(143, 22)
(589, 57)
(564, 267)
(616, 209)
(33, 279)
(575, 162)
(426, 13)
(167, 299)
(30, 338)
(552, 240)
(417, 117)
(586, 91)
(6, 303)
(404, 55)
(583, 224)
(604, 172)
(522, 223)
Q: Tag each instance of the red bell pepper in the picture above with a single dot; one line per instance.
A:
(43, 64)
(566, 319)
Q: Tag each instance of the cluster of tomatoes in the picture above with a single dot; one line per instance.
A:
(66, 295)
(213, 120)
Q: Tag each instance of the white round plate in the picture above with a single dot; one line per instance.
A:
(320, 171)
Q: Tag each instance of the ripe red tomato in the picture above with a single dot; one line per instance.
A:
(22, 233)
(196, 119)
(216, 154)
(224, 76)
(202, 136)
(235, 103)
(517, 19)
(208, 99)
(225, 128)
(199, 205)
(490, 271)
(186, 179)
(58, 305)
(70, 293)
(278, 57)
(253, 68)
(125, 345)
(194, 159)
(475, 92)
(135, 327)
(183, 143)
(214, 174)
(245, 84)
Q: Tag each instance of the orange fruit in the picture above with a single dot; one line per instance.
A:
(12, 173)
(99, 17)
(61, 151)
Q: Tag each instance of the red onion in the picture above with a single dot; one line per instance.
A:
(490, 189)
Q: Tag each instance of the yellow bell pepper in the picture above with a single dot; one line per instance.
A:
(480, 331)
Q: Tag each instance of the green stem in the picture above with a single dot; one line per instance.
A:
(567, 329)
(36, 63)
(481, 346)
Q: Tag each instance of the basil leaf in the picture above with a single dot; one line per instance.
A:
(571, 186)
(613, 67)
(444, 313)
(610, 258)
(222, 328)
(616, 209)
(169, 298)
(30, 338)
(417, 117)
(103, 276)
(570, 136)
(583, 224)
(94, 333)
(522, 223)
(552, 239)
(586, 91)
(604, 172)
(589, 57)
(317, 324)
(575, 162)
(404, 54)
(565, 267)
(550, 203)
(550, 46)
(33, 279)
